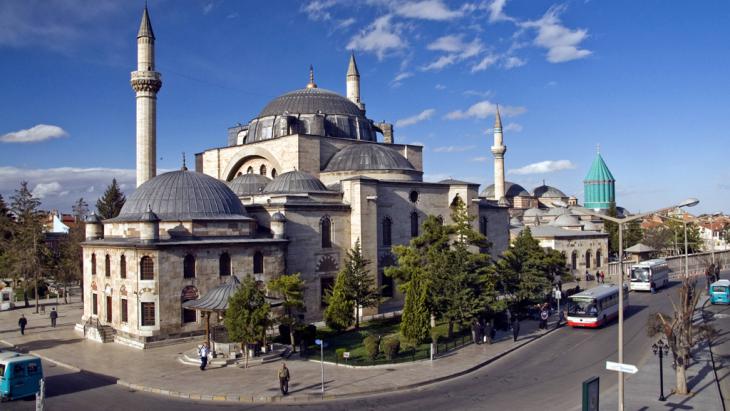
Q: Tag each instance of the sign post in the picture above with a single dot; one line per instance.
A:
(590, 394)
(321, 357)
(617, 366)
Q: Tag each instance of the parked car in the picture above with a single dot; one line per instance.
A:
(20, 375)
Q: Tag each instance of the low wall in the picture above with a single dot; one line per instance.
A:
(696, 263)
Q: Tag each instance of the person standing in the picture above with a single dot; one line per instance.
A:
(22, 322)
(603, 277)
(717, 272)
(544, 318)
(284, 376)
(515, 328)
(54, 316)
(561, 318)
(203, 352)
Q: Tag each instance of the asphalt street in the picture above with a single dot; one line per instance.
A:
(544, 375)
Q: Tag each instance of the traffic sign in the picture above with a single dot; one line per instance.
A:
(346, 354)
(558, 294)
(617, 366)
(318, 341)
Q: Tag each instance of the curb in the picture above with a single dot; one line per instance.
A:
(251, 399)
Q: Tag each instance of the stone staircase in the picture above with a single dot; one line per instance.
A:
(93, 330)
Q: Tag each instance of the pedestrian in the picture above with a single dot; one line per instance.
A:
(561, 318)
(203, 352)
(588, 276)
(544, 318)
(284, 376)
(515, 328)
(560, 285)
(54, 316)
(603, 277)
(598, 277)
(717, 272)
(22, 322)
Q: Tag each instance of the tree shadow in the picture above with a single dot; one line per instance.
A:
(63, 384)
(44, 344)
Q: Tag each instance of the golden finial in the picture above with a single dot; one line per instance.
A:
(311, 84)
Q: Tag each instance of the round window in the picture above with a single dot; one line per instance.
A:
(413, 196)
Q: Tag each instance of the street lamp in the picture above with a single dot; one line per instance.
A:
(662, 350)
(690, 202)
(712, 235)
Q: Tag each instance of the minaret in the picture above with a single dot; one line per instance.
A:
(146, 82)
(498, 150)
(353, 83)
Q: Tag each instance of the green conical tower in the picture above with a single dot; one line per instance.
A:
(599, 186)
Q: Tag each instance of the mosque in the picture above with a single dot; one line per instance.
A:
(291, 191)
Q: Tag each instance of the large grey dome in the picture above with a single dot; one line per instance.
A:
(310, 101)
(566, 220)
(294, 182)
(534, 212)
(367, 157)
(510, 190)
(183, 195)
(249, 184)
(545, 191)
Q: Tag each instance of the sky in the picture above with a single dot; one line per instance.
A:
(646, 81)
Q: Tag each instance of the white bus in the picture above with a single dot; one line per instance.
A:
(595, 307)
(649, 273)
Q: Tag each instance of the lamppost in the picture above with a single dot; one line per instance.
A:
(690, 202)
(662, 350)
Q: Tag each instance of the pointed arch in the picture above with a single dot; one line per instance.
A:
(387, 229)
(325, 229)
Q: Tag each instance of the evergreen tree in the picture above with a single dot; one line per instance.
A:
(110, 204)
(339, 312)
(289, 288)
(247, 315)
(361, 287)
(415, 322)
(27, 248)
(7, 226)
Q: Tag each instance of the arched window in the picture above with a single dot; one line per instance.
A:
(189, 266)
(273, 173)
(414, 224)
(588, 259)
(146, 268)
(188, 293)
(224, 265)
(93, 264)
(387, 232)
(123, 266)
(107, 266)
(573, 260)
(413, 196)
(262, 170)
(483, 225)
(258, 263)
(598, 258)
(249, 170)
(325, 228)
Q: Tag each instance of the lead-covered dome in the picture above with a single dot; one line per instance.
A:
(294, 182)
(248, 184)
(545, 191)
(367, 157)
(311, 101)
(510, 190)
(181, 196)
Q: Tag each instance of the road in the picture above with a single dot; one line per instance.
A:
(544, 375)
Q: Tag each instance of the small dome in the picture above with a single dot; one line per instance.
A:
(278, 216)
(248, 184)
(367, 157)
(515, 222)
(566, 220)
(294, 182)
(557, 211)
(544, 191)
(534, 212)
(510, 190)
(183, 195)
(590, 226)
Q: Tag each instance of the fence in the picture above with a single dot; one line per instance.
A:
(696, 263)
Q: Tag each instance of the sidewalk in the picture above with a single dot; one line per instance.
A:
(157, 370)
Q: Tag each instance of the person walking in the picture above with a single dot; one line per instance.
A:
(561, 318)
(22, 322)
(54, 316)
(603, 277)
(203, 352)
(515, 328)
(717, 272)
(284, 376)
(544, 318)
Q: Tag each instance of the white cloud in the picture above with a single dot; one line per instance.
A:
(40, 132)
(496, 11)
(448, 43)
(208, 7)
(482, 159)
(60, 187)
(478, 93)
(484, 109)
(427, 10)
(318, 10)
(379, 38)
(484, 63)
(402, 76)
(547, 166)
(457, 49)
(513, 62)
(422, 116)
(561, 42)
(452, 149)
(343, 24)
(439, 87)
(513, 127)
(440, 63)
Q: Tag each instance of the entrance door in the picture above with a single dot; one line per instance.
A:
(109, 309)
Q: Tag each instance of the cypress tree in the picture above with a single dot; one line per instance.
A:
(247, 315)
(340, 309)
(361, 287)
(110, 204)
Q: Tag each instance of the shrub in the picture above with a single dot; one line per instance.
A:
(372, 346)
(391, 347)
(340, 353)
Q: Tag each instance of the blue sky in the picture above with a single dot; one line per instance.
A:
(646, 80)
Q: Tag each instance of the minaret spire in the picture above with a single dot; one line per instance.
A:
(146, 82)
(353, 82)
(311, 83)
(498, 151)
